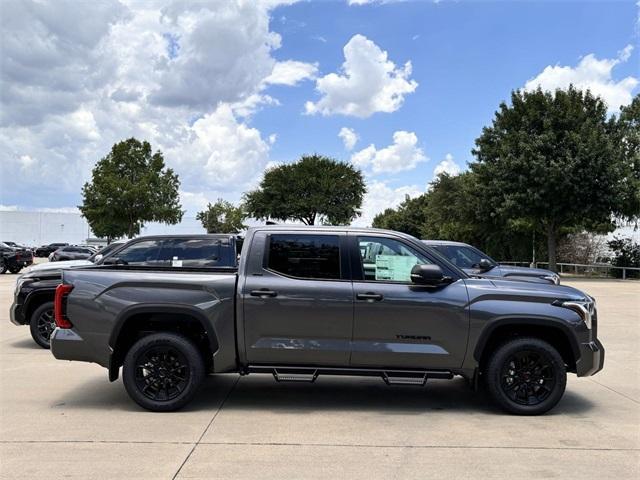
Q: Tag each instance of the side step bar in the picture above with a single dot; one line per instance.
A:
(310, 374)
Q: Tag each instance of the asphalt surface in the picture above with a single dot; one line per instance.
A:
(65, 420)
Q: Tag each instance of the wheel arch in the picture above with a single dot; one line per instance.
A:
(556, 333)
(139, 320)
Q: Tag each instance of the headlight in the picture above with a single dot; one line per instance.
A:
(585, 308)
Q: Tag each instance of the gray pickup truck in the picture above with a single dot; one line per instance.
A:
(308, 301)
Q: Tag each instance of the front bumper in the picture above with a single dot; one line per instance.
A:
(16, 314)
(591, 359)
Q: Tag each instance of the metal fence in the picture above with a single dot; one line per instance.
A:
(594, 270)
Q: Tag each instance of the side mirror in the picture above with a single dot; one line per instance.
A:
(428, 275)
(485, 265)
(113, 261)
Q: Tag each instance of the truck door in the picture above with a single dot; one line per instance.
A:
(400, 324)
(297, 300)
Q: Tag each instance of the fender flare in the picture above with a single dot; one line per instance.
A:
(164, 308)
(488, 330)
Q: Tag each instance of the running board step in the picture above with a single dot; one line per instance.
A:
(283, 376)
(404, 379)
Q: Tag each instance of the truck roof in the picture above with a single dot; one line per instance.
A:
(329, 228)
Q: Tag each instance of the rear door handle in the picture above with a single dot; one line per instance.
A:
(263, 293)
(370, 296)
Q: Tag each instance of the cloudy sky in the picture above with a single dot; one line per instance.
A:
(226, 89)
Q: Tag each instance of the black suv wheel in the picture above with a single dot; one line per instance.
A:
(42, 324)
(162, 371)
(526, 376)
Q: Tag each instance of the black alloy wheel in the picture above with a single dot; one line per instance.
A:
(526, 376)
(42, 324)
(163, 371)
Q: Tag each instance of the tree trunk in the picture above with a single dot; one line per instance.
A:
(552, 237)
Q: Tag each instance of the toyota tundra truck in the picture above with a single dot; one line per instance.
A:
(309, 301)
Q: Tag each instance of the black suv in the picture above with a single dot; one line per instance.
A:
(46, 250)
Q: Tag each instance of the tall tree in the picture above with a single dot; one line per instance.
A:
(315, 188)
(628, 141)
(549, 159)
(222, 217)
(130, 186)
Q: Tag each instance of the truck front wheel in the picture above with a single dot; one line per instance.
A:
(162, 371)
(526, 376)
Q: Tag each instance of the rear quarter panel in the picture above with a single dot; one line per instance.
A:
(102, 300)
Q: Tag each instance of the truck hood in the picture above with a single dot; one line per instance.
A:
(522, 290)
(41, 267)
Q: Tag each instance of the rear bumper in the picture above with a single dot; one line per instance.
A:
(591, 359)
(67, 344)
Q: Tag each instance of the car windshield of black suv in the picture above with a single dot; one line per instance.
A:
(461, 256)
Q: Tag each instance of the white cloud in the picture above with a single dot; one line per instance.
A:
(359, 2)
(594, 74)
(402, 154)
(447, 166)
(291, 72)
(379, 197)
(220, 153)
(368, 83)
(186, 76)
(349, 137)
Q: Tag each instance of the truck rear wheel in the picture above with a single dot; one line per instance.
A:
(162, 371)
(526, 376)
(42, 324)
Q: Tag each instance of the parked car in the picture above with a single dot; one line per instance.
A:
(46, 250)
(307, 301)
(71, 252)
(35, 289)
(476, 262)
(14, 258)
(93, 259)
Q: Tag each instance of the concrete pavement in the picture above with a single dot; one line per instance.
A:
(65, 420)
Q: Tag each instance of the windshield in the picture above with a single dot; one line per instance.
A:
(463, 256)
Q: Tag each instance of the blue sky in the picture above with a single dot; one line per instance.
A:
(200, 83)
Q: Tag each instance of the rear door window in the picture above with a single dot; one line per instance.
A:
(305, 256)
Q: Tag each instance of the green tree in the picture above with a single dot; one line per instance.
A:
(130, 186)
(549, 159)
(222, 217)
(407, 218)
(628, 140)
(315, 188)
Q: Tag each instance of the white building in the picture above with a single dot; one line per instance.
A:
(39, 228)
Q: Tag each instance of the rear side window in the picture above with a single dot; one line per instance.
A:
(140, 253)
(305, 256)
(198, 253)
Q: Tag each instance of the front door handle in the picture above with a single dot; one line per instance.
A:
(370, 296)
(263, 293)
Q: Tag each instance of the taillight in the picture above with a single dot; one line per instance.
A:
(59, 305)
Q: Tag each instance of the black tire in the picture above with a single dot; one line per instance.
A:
(42, 324)
(3, 267)
(526, 376)
(15, 270)
(163, 371)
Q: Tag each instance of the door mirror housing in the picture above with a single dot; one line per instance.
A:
(113, 261)
(429, 275)
(485, 265)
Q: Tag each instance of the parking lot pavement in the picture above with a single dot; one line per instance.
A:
(65, 420)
